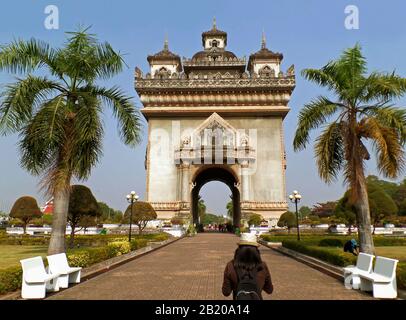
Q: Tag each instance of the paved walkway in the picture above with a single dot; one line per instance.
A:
(192, 268)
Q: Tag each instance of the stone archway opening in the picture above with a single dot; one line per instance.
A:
(221, 174)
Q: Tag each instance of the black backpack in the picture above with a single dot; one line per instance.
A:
(247, 288)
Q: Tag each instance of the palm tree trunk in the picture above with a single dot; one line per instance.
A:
(364, 219)
(60, 214)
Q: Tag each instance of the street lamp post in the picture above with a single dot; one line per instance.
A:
(131, 198)
(295, 198)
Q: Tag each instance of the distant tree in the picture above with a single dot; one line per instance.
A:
(109, 215)
(314, 219)
(86, 222)
(210, 218)
(25, 209)
(47, 219)
(288, 219)
(380, 203)
(324, 209)
(255, 220)
(201, 208)
(400, 198)
(346, 212)
(229, 208)
(402, 208)
(305, 211)
(143, 212)
(390, 188)
(82, 205)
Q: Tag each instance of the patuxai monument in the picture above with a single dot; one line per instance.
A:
(216, 117)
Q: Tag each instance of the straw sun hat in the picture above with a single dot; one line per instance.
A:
(248, 239)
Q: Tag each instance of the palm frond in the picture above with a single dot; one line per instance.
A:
(329, 152)
(323, 77)
(108, 61)
(87, 136)
(25, 56)
(389, 151)
(383, 87)
(391, 117)
(43, 136)
(312, 115)
(20, 100)
(129, 123)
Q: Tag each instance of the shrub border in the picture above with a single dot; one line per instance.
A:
(320, 265)
(104, 266)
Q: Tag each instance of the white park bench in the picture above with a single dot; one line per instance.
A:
(36, 281)
(58, 264)
(352, 273)
(382, 281)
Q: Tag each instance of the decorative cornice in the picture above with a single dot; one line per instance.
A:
(167, 206)
(261, 84)
(257, 205)
(229, 110)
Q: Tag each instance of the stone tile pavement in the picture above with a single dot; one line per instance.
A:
(192, 268)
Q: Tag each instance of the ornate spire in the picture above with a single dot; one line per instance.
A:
(263, 41)
(166, 45)
(214, 24)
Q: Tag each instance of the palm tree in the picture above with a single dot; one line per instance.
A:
(230, 208)
(363, 112)
(59, 116)
(201, 208)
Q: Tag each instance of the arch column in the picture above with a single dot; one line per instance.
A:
(245, 185)
(185, 177)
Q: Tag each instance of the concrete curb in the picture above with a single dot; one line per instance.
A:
(328, 269)
(104, 266)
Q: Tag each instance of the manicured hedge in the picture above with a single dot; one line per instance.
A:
(334, 242)
(25, 240)
(333, 239)
(80, 240)
(401, 275)
(10, 279)
(338, 259)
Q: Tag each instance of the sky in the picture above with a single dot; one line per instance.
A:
(308, 33)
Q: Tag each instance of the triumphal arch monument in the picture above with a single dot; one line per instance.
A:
(216, 117)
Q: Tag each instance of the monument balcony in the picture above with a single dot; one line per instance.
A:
(212, 154)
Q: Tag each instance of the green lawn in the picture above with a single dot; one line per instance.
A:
(10, 255)
(392, 252)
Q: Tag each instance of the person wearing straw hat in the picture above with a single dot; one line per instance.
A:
(246, 276)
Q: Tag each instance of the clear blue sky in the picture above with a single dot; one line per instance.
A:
(308, 33)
